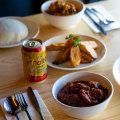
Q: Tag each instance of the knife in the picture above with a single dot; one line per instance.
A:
(95, 23)
(34, 101)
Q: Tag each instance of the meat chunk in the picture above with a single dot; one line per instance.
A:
(82, 93)
(94, 84)
(85, 96)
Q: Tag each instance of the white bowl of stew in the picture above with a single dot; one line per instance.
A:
(77, 104)
(64, 21)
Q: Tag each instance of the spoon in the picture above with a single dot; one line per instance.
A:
(11, 106)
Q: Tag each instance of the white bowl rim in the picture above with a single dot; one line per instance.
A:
(116, 71)
(111, 94)
(50, 1)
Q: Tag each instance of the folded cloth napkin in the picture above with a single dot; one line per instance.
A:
(109, 27)
(34, 114)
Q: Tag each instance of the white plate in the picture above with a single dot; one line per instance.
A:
(116, 70)
(101, 52)
(33, 29)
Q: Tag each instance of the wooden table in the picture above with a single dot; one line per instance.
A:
(11, 69)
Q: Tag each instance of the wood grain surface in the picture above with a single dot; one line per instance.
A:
(11, 69)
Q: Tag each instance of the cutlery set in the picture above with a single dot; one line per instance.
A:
(14, 105)
(101, 22)
(104, 19)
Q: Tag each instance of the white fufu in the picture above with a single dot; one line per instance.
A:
(12, 31)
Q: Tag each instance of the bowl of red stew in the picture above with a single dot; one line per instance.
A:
(82, 94)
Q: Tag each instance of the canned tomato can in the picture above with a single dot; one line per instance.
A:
(34, 60)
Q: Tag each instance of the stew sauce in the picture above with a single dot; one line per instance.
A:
(82, 93)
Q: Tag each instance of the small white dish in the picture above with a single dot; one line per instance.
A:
(116, 70)
(82, 112)
(33, 29)
(101, 52)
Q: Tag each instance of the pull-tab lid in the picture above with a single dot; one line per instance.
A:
(30, 43)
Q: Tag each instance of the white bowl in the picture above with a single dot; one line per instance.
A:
(116, 70)
(82, 112)
(63, 22)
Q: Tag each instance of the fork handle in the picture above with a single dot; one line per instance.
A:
(28, 114)
(17, 117)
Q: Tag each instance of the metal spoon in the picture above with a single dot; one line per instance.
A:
(11, 106)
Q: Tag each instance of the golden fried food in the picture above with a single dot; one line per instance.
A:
(88, 50)
(92, 44)
(62, 8)
(62, 56)
(64, 52)
(85, 58)
(55, 46)
(69, 43)
(75, 50)
(75, 56)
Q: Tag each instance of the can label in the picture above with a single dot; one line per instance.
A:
(35, 63)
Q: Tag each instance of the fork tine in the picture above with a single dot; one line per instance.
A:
(17, 98)
(20, 98)
(23, 97)
(22, 102)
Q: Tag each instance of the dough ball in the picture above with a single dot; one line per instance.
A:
(12, 31)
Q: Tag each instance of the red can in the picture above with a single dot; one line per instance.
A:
(34, 60)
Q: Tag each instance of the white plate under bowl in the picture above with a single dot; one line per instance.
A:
(116, 70)
(101, 52)
(33, 29)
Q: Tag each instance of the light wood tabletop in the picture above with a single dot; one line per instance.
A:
(12, 75)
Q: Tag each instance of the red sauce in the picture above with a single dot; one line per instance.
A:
(82, 93)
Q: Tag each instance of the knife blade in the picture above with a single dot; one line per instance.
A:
(34, 101)
(95, 23)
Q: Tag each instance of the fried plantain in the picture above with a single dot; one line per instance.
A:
(83, 53)
(55, 46)
(75, 56)
(92, 44)
(85, 58)
(69, 43)
(88, 50)
(62, 56)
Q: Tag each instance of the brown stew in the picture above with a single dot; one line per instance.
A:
(61, 8)
(82, 93)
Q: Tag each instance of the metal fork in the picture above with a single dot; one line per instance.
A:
(106, 21)
(92, 12)
(22, 102)
(102, 20)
